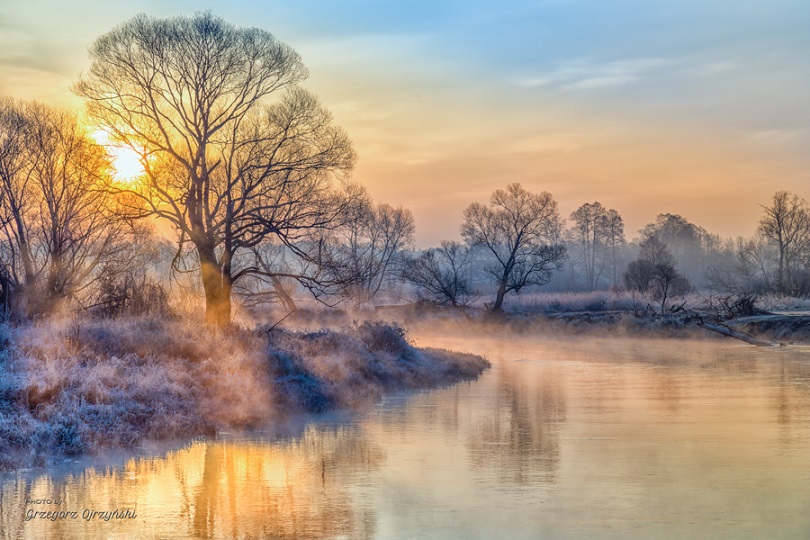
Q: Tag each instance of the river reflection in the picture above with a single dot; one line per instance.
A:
(612, 438)
(236, 489)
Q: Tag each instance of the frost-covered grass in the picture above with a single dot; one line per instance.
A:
(78, 387)
(784, 303)
(551, 303)
(565, 302)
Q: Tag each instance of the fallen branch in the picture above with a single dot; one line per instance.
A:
(742, 336)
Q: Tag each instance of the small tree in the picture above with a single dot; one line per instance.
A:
(786, 227)
(442, 275)
(654, 273)
(637, 277)
(667, 282)
(598, 234)
(365, 254)
(520, 231)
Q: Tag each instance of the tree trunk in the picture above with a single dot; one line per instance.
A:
(726, 331)
(499, 297)
(283, 295)
(217, 287)
(780, 276)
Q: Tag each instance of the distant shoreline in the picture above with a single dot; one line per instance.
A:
(777, 327)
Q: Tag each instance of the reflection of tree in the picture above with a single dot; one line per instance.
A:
(517, 440)
(13, 495)
(282, 491)
(295, 489)
(790, 400)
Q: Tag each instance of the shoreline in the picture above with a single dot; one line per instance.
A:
(74, 390)
(784, 328)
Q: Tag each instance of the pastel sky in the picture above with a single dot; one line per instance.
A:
(692, 107)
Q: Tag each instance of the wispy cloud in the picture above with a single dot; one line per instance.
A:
(778, 136)
(586, 74)
(710, 68)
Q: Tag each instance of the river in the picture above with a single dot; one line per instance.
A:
(574, 438)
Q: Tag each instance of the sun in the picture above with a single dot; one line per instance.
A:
(126, 162)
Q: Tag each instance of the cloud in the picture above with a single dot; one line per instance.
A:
(710, 68)
(778, 136)
(586, 74)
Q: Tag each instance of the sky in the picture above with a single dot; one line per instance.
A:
(691, 107)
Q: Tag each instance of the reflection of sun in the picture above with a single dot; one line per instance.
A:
(126, 161)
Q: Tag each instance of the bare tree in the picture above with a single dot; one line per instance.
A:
(666, 282)
(614, 241)
(655, 273)
(130, 282)
(55, 218)
(442, 275)
(598, 234)
(15, 165)
(786, 227)
(587, 234)
(637, 277)
(226, 164)
(366, 252)
(520, 231)
(692, 246)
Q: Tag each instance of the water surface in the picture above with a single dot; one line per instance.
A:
(609, 438)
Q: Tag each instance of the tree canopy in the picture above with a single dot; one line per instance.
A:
(235, 153)
(520, 232)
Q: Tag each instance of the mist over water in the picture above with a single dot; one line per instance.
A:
(576, 438)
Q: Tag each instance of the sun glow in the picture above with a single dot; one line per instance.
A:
(127, 163)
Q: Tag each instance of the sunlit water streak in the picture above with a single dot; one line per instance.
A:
(579, 439)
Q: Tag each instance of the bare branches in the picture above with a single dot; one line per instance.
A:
(655, 273)
(520, 230)
(56, 219)
(786, 227)
(366, 249)
(598, 233)
(228, 167)
(443, 275)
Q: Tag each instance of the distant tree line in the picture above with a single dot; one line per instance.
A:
(249, 175)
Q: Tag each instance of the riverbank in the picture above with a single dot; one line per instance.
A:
(80, 387)
(783, 328)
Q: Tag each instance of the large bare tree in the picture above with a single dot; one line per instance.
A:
(520, 232)
(235, 152)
